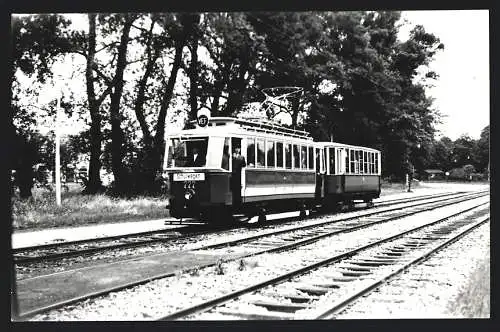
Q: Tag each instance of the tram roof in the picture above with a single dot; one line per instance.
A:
(221, 125)
(347, 146)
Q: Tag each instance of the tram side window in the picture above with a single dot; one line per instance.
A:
(296, 156)
(270, 154)
(356, 162)
(303, 157)
(366, 162)
(225, 154)
(288, 156)
(279, 154)
(311, 157)
(251, 152)
(261, 154)
(318, 160)
(346, 161)
(372, 164)
(331, 164)
(362, 165)
(376, 163)
(353, 162)
(346, 164)
(361, 162)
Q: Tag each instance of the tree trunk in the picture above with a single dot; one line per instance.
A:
(193, 68)
(117, 137)
(141, 88)
(159, 139)
(94, 181)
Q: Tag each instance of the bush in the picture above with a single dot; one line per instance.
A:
(457, 174)
(467, 173)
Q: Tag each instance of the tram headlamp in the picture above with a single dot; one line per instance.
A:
(188, 195)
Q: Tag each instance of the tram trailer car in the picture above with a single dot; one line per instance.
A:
(279, 169)
(352, 173)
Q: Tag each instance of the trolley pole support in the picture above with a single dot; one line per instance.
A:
(58, 156)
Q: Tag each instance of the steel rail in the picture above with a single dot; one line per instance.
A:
(26, 259)
(328, 314)
(325, 223)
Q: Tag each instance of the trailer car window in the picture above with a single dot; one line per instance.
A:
(296, 157)
(367, 163)
(303, 157)
(261, 153)
(225, 154)
(351, 161)
(270, 154)
(279, 154)
(311, 157)
(361, 162)
(288, 155)
(331, 164)
(371, 163)
(251, 152)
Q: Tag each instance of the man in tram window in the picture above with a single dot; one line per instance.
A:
(238, 162)
(197, 159)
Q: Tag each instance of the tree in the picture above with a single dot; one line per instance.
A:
(463, 152)
(236, 51)
(295, 56)
(117, 137)
(192, 41)
(94, 103)
(37, 41)
(154, 91)
(441, 156)
(482, 152)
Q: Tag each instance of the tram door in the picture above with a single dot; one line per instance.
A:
(341, 161)
(320, 170)
(237, 164)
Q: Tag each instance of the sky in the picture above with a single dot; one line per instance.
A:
(461, 93)
(462, 90)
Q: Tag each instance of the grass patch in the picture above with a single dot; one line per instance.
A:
(41, 211)
(473, 301)
(220, 269)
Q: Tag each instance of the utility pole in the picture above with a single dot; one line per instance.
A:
(58, 156)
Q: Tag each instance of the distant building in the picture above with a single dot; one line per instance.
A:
(433, 174)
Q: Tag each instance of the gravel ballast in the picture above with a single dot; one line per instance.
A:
(437, 288)
(163, 296)
(36, 269)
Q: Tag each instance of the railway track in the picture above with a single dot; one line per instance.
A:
(41, 253)
(324, 288)
(48, 292)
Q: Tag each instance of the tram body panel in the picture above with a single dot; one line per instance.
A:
(264, 184)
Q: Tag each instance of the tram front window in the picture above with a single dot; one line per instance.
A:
(189, 152)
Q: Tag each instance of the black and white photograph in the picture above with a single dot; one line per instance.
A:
(250, 165)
